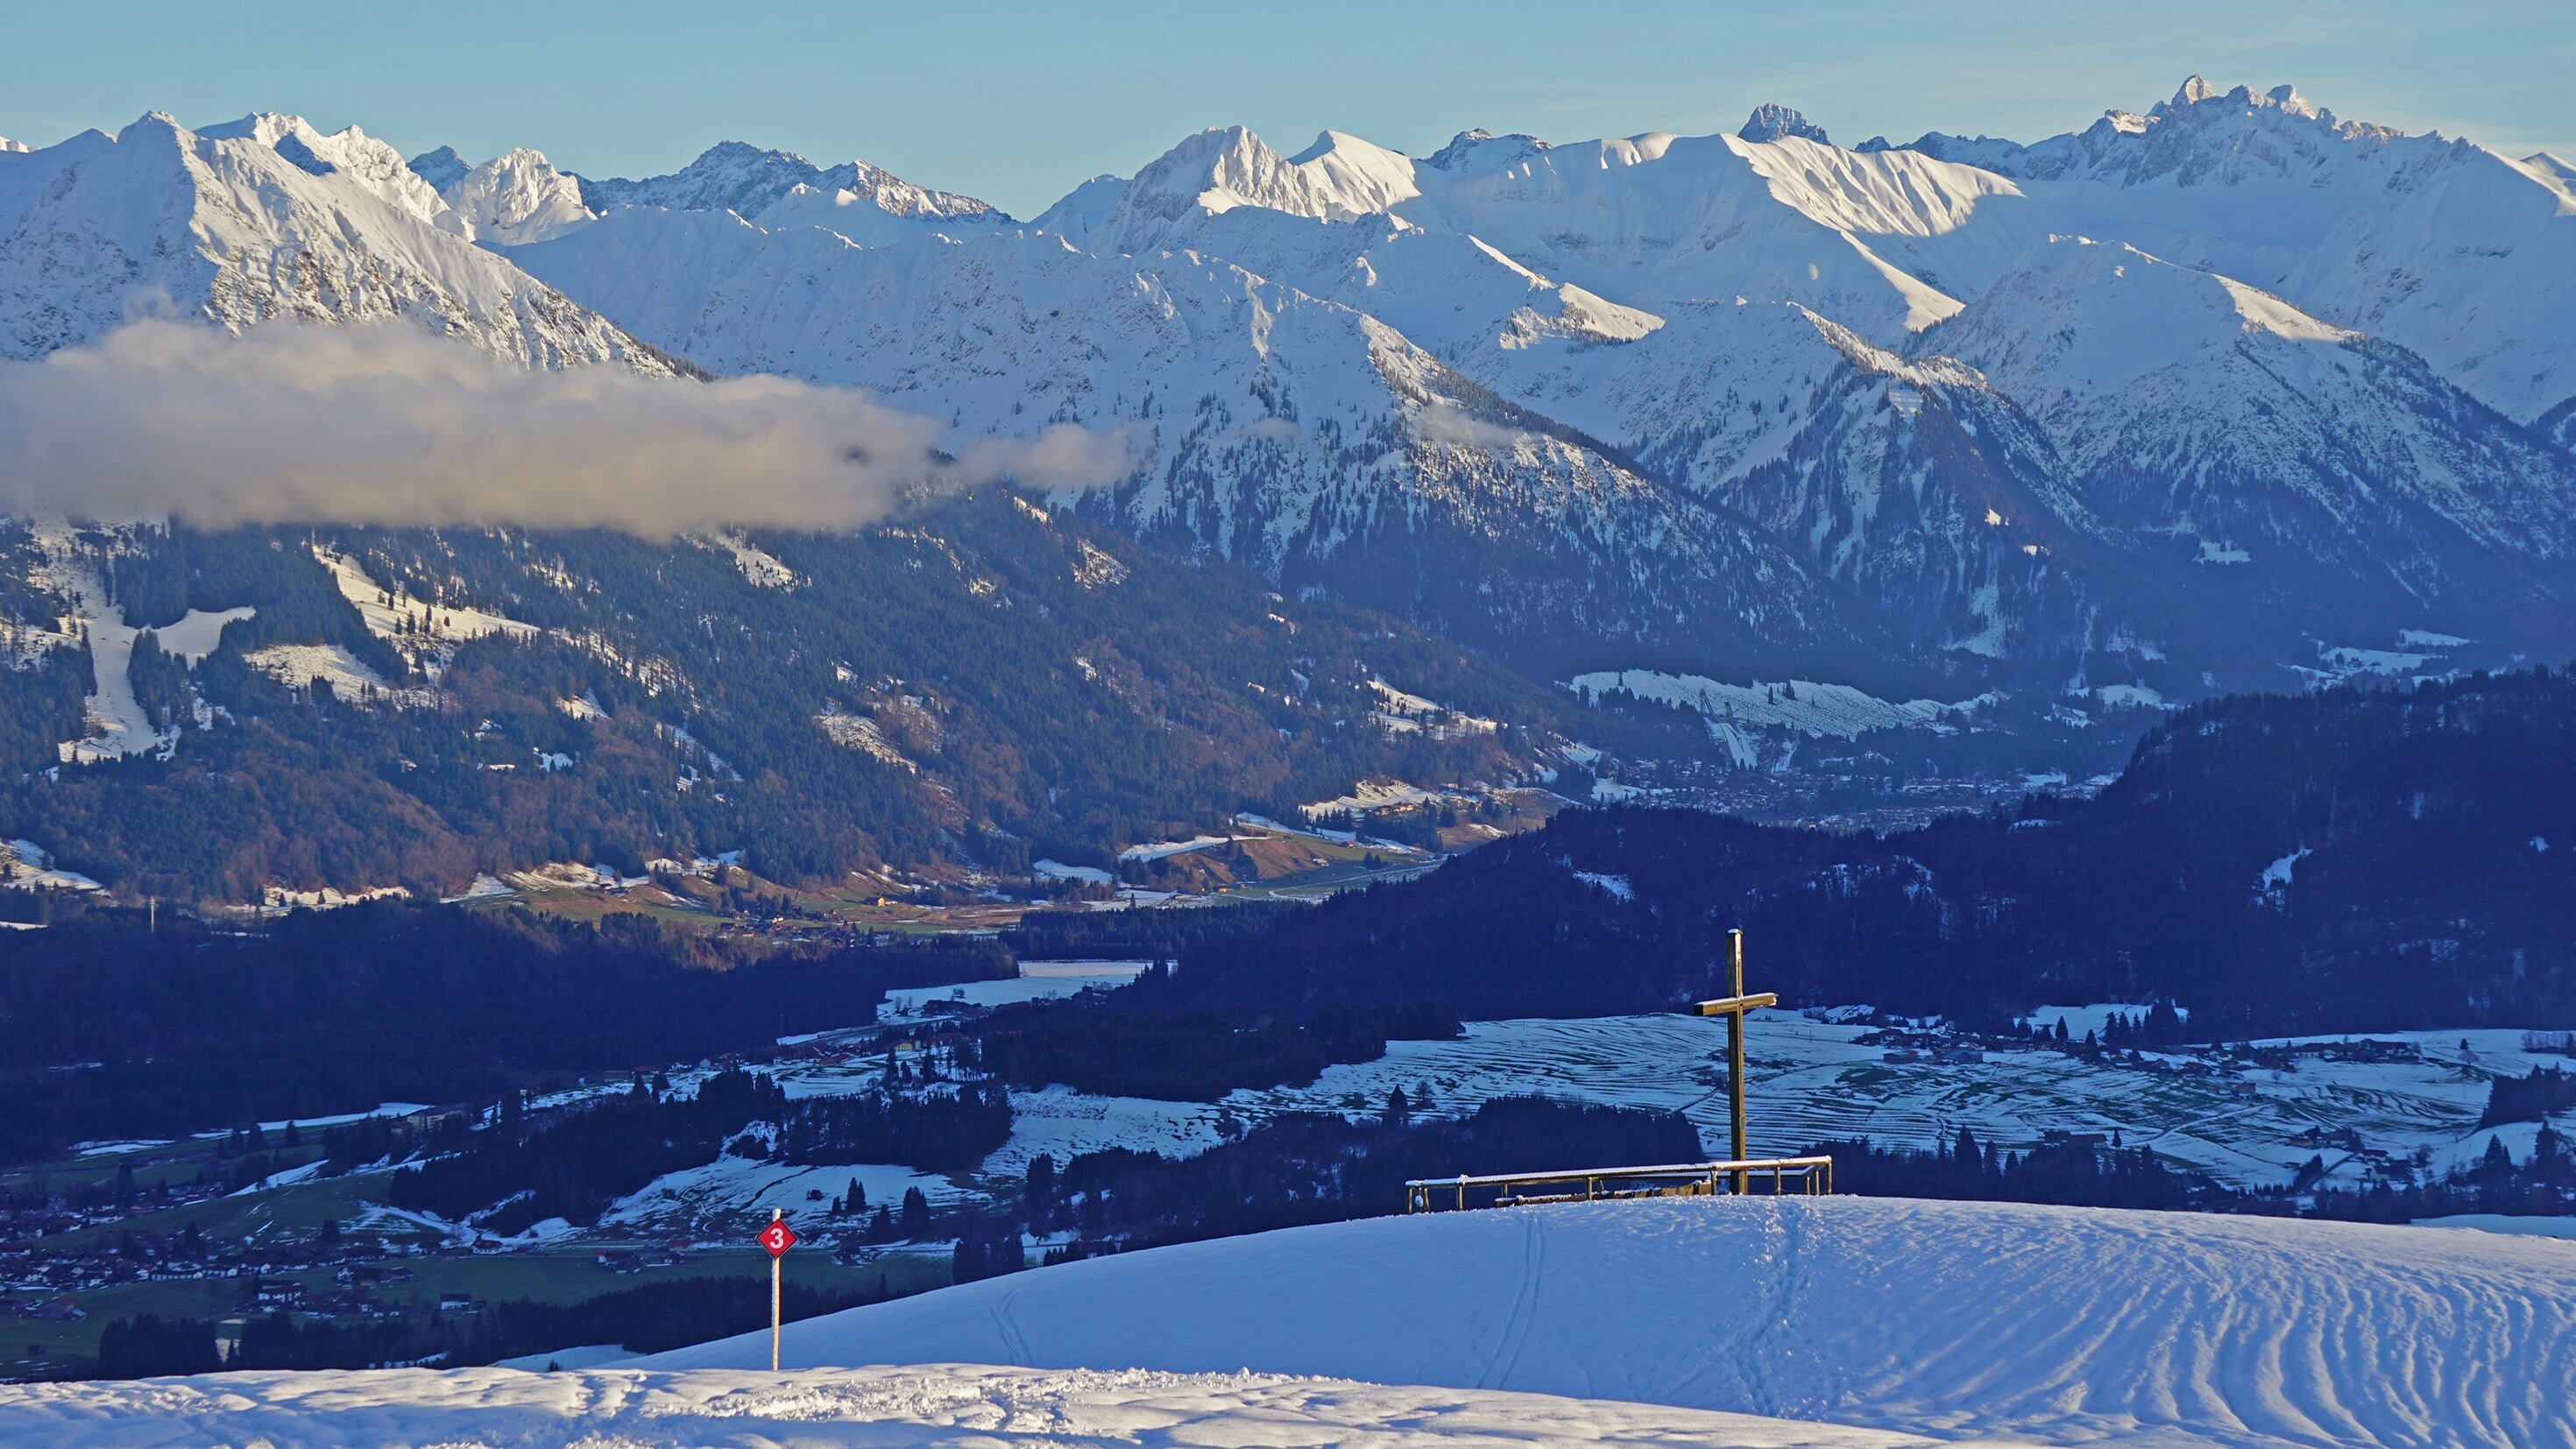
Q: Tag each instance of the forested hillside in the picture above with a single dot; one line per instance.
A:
(113, 1026)
(979, 686)
(2350, 860)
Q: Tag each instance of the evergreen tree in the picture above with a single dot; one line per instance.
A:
(1037, 1192)
(2495, 1162)
(148, 1346)
(986, 1248)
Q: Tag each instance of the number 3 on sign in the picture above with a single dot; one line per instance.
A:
(777, 1238)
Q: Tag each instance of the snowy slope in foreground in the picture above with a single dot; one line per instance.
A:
(988, 1408)
(1948, 1318)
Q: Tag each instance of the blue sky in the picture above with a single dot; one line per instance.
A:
(1017, 102)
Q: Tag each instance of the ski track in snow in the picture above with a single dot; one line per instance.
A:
(114, 725)
(1956, 1319)
(948, 1407)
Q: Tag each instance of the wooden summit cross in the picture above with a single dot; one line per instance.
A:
(1812, 1176)
(1733, 1007)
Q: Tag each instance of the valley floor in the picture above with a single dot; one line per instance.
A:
(2251, 1118)
(2250, 1123)
(2240, 1118)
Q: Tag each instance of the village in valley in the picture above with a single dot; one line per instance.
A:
(290, 1220)
(1758, 727)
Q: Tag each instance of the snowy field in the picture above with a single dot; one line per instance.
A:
(736, 1184)
(732, 1184)
(1810, 1081)
(966, 1406)
(429, 632)
(1803, 705)
(1734, 713)
(1037, 981)
(1957, 1320)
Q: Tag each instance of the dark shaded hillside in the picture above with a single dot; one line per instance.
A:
(2430, 834)
(1031, 686)
(113, 1028)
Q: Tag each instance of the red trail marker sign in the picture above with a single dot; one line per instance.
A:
(777, 1238)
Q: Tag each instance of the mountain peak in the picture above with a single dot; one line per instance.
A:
(302, 157)
(2196, 91)
(1771, 120)
(749, 180)
(2550, 167)
(441, 168)
(349, 152)
(1458, 147)
(1339, 178)
(2287, 97)
(876, 209)
(517, 197)
(1479, 141)
(268, 219)
(1085, 207)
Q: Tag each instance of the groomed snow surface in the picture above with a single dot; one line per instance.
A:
(1837, 1321)
(1956, 1320)
(967, 1406)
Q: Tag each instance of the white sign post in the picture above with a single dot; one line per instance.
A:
(777, 1238)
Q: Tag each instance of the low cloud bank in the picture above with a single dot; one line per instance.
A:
(389, 425)
(1441, 422)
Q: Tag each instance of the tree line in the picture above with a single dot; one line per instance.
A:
(573, 1165)
(2074, 1174)
(2352, 860)
(121, 1026)
(945, 1129)
(650, 1318)
(1127, 1046)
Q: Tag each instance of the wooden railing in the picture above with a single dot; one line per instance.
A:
(1814, 1177)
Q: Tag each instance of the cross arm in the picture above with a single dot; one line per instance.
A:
(1733, 1005)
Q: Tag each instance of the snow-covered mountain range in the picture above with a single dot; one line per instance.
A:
(262, 219)
(2230, 393)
